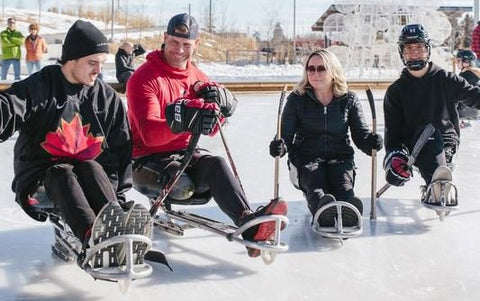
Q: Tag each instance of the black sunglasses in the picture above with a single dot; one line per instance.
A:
(312, 69)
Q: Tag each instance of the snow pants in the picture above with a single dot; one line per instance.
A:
(208, 173)
(320, 177)
(80, 190)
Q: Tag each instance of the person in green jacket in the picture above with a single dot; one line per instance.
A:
(12, 41)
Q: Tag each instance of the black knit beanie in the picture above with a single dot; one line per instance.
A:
(83, 39)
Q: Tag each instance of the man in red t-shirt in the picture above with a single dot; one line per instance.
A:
(169, 98)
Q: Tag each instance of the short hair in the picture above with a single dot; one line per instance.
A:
(34, 26)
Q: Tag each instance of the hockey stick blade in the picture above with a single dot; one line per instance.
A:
(422, 139)
(158, 257)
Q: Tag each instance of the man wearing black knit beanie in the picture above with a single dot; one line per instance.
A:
(74, 143)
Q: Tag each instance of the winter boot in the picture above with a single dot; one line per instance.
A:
(263, 231)
(349, 217)
(328, 217)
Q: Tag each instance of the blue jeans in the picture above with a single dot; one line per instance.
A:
(33, 66)
(6, 65)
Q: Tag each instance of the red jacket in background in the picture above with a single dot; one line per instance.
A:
(150, 88)
(476, 41)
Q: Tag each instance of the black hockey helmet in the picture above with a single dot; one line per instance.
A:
(414, 33)
(467, 56)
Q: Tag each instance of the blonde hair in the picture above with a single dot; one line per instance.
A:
(334, 69)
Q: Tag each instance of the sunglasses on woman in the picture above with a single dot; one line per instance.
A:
(318, 69)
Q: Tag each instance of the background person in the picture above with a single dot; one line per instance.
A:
(12, 41)
(36, 46)
(124, 57)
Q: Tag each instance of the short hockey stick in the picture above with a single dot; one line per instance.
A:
(192, 144)
(229, 155)
(424, 136)
(278, 136)
(373, 211)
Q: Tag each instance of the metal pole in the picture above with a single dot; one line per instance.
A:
(210, 18)
(113, 16)
(475, 11)
(294, 34)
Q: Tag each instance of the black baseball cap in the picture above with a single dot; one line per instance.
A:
(186, 20)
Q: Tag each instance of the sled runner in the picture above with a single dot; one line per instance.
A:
(441, 194)
(329, 219)
(116, 253)
(176, 222)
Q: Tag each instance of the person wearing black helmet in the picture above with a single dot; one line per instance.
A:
(465, 61)
(424, 94)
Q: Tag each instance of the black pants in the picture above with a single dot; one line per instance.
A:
(434, 153)
(207, 173)
(319, 178)
(80, 190)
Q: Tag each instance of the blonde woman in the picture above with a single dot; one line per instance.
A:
(316, 121)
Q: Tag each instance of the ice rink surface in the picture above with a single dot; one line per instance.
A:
(407, 254)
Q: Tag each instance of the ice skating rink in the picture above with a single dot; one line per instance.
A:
(407, 254)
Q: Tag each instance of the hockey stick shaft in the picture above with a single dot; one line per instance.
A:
(276, 185)
(192, 144)
(373, 190)
(424, 136)
(229, 155)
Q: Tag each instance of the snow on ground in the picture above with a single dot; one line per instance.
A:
(407, 254)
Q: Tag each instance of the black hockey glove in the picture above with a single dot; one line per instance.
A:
(192, 115)
(277, 148)
(397, 170)
(374, 141)
(213, 92)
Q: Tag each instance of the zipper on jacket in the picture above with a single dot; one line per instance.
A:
(326, 123)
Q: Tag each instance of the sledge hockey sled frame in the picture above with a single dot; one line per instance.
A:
(442, 209)
(68, 248)
(177, 221)
(338, 231)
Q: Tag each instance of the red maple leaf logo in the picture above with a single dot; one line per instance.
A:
(73, 140)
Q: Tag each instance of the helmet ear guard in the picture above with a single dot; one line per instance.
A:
(411, 34)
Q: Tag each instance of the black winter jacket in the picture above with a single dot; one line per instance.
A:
(312, 130)
(410, 103)
(59, 121)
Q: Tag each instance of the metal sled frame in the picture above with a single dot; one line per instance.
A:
(168, 222)
(339, 231)
(441, 209)
(68, 248)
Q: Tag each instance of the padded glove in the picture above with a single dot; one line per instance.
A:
(213, 92)
(375, 141)
(397, 170)
(277, 148)
(192, 115)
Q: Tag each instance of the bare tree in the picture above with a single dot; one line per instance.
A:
(40, 6)
(224, 19)
(209, 15)
(81, 7)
